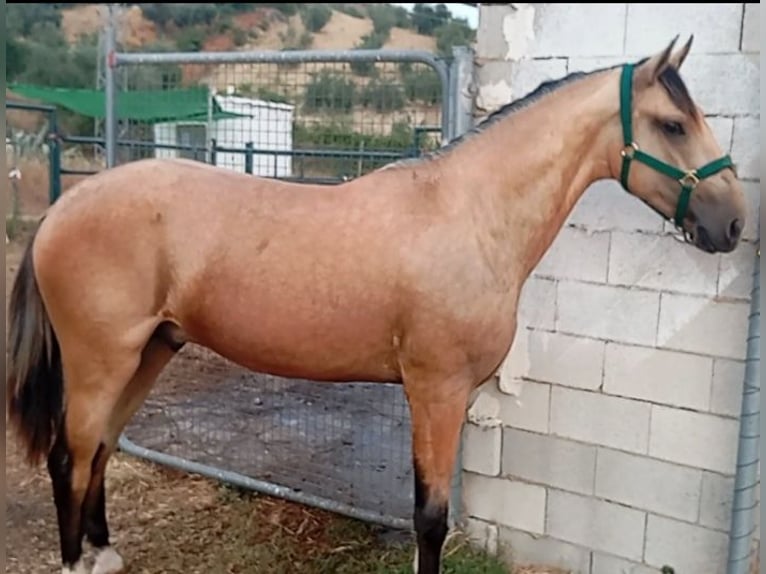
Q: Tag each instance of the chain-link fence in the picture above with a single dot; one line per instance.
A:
(285, 117)
(307, 116)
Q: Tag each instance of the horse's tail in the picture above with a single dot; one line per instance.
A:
(34, 383)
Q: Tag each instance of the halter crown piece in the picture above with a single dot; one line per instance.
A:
(687, 179)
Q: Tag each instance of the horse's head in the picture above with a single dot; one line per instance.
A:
(671, 159)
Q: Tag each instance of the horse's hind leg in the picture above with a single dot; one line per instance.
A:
(437, 410)
(155, 356)
(89, 405)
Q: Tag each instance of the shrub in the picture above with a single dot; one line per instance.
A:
(422, 85)
(340, 135)
(371, 41)
(455, 33)
(383, 96)
(329, 92)
(190, 40)
(315, 16)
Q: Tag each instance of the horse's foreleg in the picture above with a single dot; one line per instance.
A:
(437, 419)
(155, 356)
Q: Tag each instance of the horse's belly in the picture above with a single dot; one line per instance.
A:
(300, 338)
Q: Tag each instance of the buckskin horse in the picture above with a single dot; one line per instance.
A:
(410, 274)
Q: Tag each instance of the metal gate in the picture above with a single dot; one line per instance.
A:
(320, 116)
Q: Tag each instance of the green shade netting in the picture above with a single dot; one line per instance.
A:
(188, 104)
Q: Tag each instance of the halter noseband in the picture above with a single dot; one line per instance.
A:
(687, 179)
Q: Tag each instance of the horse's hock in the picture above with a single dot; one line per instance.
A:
(621, 455)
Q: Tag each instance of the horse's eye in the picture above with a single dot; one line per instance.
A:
(673, 128)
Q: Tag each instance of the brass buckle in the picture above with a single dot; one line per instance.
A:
(690, 179)
(629, 150)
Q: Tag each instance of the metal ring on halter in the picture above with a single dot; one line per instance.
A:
(690, 179)
(629, 150)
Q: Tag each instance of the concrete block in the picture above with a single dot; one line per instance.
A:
(735, 279)
(501, 82)
(505, 502)
(604, 564)
(481, 534)
(482, 449)
(746, 146)
(648, 484)
(608, 312)
(716, 503)
(576, 254)
(666, 377)
(701, 325)
(587, 65)
(728, 379)
(530, 411)
(725, 84)
(600, 419)
(491, 43)
(695, 439)
(596, 524)
(751, 28)
(484, 408)
(543, 551)
(685, 547)
(651, 27)
(558, 30)
(548, 460)
(723, 129)
(566, 359)
(515, 365)
(537, 304)
(661, 262)
(528, 74)
(753, 198)
(605, 206)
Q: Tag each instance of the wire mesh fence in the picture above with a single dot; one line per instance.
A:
(308, 121)
(306, 117)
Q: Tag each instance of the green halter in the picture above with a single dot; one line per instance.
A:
(687, 179)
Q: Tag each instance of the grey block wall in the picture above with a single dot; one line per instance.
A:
(619, 453)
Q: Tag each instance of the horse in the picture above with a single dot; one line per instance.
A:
(410, 274)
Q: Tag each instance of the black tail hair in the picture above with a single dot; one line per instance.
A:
(34, 382)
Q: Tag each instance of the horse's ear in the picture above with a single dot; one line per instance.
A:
(648, 72)
(677, 59)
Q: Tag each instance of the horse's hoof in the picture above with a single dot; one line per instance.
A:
(108, 561)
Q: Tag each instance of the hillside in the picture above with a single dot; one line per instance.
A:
(264, 28)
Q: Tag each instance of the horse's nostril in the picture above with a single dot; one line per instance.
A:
(735, 230)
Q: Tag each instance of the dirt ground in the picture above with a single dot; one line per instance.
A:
(167, 522)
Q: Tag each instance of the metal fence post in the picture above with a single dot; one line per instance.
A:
(110, 96)
(461, 90)
(249, 158)
(54, 158)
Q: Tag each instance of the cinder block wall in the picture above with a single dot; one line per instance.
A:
(619, 454)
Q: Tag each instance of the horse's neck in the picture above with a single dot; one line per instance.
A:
(523, 175)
